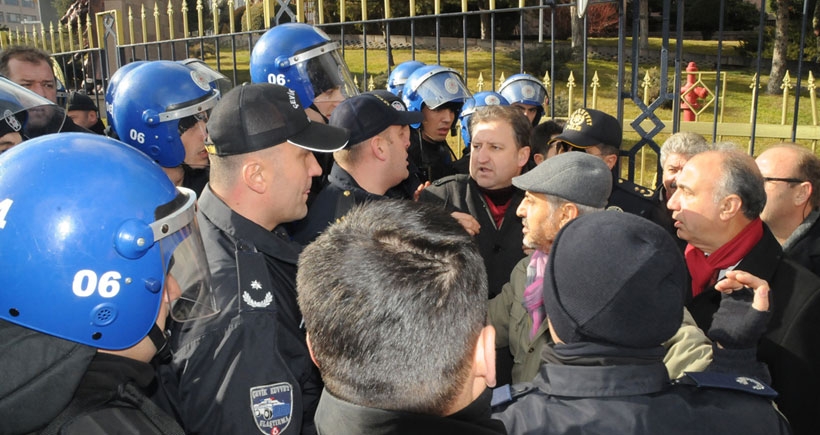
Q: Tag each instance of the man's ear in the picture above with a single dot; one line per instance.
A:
(803, 194)
(93, 115)
(538, 158)
(378, 147)
(730, 206)
(253, 176)
(310, 349)
(569, 211)
(523, 156)
(610, 160)
(484, 362)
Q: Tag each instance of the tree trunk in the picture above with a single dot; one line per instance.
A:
(643, 42)
(780, 45)
(577, 30)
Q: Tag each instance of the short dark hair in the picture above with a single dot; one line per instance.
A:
(26, 54)
(394, 299)
(542, 133)
(520, 124)
(742, 177)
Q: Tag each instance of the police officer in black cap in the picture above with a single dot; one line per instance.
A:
(600, 134)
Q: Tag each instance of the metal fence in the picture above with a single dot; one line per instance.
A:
(89, 49)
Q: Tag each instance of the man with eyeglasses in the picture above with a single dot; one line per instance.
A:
(792, 175)
(599, 134)
(717, 208)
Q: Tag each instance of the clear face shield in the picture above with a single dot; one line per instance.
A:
(326, 69)
(27, 113)
(183, 255)
(215, 78)
(441, 88)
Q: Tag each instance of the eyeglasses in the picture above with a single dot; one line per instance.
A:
(785, 180)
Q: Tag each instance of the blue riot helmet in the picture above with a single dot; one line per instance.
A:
(89, 238)
(485, 98)
(217, 80)
(398, 77)
(113, 82)
(303, 58)
(25, 112)
(525, 89)
(149, 103)
(434, 86)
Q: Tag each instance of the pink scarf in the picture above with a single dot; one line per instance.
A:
(534, 293)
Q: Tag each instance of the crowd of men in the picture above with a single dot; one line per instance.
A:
(289, 256)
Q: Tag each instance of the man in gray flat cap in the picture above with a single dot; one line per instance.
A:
(558, 191)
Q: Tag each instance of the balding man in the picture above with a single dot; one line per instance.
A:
(792, 176)
(717, 210)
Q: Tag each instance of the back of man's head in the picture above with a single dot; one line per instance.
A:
(394, 301)
(634, 302)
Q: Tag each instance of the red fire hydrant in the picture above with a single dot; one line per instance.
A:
(690, 94)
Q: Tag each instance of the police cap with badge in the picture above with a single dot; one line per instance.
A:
(587, 128)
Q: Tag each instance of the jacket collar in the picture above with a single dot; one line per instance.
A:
(340, 417)
(276, 243)
(602, 381)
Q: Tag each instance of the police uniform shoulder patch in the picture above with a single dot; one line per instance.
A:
(272, 407)
(727, 381)
(634, 189)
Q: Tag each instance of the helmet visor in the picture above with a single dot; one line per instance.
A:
(441, 88)
(27, 113)
(326, 70)
(184, 258)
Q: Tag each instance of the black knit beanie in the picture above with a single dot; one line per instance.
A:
(614, 278)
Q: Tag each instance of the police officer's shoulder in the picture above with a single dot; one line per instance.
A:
(451, 179)
(634, 189)
(727, 381)
(507, 394)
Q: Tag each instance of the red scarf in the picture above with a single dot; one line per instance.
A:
(704, 269)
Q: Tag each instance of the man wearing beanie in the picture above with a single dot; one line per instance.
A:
(559, 190)
(248, 369)
(374, 160)
(605, 373)
(600, 134)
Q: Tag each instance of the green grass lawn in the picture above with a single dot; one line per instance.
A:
(736, 107)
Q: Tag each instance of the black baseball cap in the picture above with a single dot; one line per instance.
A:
(78, 101)
(255, 116)
(590, 127)
(367, 115)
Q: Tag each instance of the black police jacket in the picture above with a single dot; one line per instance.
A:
(791, 344)
(432, 160)
(333, 202)
(633, 399)
(246, 369)
(501, 247)
(338, 417)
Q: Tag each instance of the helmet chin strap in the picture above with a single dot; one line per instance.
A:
(160, 341)
(316, 109)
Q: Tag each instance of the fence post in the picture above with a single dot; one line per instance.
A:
(200, 21)
(813, 98)
(480, 82)
(170, 12)
(786, 85)
(184, 10)
(144, 24)
(596, 83)
(215, 15)
(570, 88)
(231, 16)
